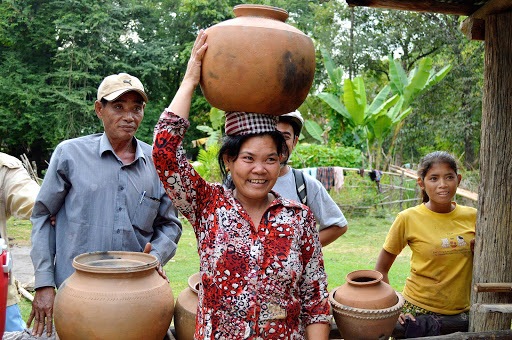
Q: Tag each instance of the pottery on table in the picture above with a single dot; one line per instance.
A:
(365, 307)
(185, 311)
(257, 63)
(114, 295)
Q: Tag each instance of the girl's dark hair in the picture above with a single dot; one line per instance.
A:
(231, 148)
(431, 159)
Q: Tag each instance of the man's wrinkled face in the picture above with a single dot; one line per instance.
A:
(122, 116)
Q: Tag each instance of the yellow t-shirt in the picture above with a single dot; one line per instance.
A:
(441, 261)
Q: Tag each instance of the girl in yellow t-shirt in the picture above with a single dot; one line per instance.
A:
(441, 235)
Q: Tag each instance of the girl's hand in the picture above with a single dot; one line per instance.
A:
(403, 317)
(472, 245)
(193, 73)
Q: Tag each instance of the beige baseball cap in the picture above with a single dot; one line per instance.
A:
(115, 85)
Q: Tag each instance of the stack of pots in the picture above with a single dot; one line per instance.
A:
(114, 295)
(257, 63)
(365, 307)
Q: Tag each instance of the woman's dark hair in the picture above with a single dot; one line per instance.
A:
(231, 148)
(429, 160)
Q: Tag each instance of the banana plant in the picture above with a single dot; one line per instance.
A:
(419, 80)
(214, 131)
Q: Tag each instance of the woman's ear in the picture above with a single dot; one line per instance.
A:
(420, 183)
(460, 178)
(226, 160)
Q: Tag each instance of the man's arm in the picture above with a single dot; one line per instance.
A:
(50, 199)
(166, 231)
(330, 234)
(328, 215)
(20, 192)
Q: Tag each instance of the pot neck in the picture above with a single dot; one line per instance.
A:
(261, 11)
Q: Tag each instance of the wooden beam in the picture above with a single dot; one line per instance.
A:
(495, 335)
(473, 26)
(505, 308)
(493, 287)
(430, 6)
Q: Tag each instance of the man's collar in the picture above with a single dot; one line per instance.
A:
(106, 146)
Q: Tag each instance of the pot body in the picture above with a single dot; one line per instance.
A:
(185, 312)
(114, 295)
(257, 63)
(365, 308)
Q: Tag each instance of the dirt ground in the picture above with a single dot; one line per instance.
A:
(23, 269)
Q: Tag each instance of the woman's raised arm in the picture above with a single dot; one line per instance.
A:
(180, 104)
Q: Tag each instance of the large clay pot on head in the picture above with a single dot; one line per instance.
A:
(365, 308)
(257, 63)
(114, 295)
(185, 312)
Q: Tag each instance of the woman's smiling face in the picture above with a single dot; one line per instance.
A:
(255, 170)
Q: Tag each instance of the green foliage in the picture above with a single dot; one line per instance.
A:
(314, 155)
(314, 129)
(207, 165)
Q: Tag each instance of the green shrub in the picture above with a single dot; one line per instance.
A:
(315, 155)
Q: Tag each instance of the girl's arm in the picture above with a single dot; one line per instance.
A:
(384, 263)
(318, 331)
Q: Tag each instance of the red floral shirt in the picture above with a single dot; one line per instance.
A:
(265, 283)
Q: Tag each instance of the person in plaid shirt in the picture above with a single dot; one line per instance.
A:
(261, 263)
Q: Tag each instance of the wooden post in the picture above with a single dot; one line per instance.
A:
(493, 258)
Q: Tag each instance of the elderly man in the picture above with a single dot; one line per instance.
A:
(105, 193)
(332, 223)
(18, 193)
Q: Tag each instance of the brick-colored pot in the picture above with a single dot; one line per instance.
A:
(257, 63)
(114, 295)
(185, 312)
(365, 308)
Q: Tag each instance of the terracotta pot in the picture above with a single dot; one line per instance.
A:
(365, 307)
(114, 295)
(185, 312)
(257, 63)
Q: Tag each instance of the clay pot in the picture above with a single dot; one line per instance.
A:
(113, 295)
(365, 308)
(257, 63)
(185, 312)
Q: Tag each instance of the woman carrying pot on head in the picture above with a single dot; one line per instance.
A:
(261, 264)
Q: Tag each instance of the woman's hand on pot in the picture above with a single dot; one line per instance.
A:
(193, 73)
(159, 268)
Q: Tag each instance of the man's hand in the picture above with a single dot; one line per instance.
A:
(42, 311)
(159, 268)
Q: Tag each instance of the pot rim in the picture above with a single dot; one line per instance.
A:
(361, 313)
(81, 261)
(369, 273)
(265, 11)
(194, 280)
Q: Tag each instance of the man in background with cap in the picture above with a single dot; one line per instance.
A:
(332, 223)
(105, 194)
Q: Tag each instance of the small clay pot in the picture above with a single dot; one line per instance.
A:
(257, 63)
(114, 295)
(185, 312)
(365, 308)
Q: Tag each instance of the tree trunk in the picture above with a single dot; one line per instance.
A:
(493, 258)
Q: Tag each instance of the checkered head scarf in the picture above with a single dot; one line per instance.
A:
(246, 123)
